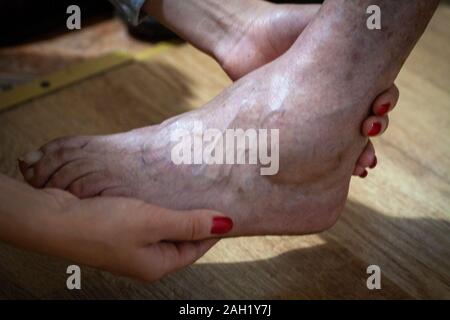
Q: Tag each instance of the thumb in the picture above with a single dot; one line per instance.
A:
(194, 225)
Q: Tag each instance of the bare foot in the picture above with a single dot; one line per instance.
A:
(318, 151)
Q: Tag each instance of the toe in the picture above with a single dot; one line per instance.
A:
(120, 191)
(91, 185)
(32, 157)
(40, 173)
(66, 142)
(72, 171)
(23, 166)
(374, 126)
(28, 160)
(386, 101)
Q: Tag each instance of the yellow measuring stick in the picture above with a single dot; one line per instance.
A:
(73, 74)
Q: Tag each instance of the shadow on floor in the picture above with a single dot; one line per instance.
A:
(329, 270)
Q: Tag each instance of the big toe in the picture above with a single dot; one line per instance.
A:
(38, 166)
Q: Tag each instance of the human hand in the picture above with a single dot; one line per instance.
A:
(123, 236)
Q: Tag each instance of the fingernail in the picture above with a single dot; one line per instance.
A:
(32, 157)
(221, 225)
(29, 174)
(384, 109)
(374, 163)
(375, 130)
(364, 174)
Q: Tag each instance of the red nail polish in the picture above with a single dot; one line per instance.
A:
(364, 174)
(221, 225)
(374, 163)
(384, 109)
(375, 130)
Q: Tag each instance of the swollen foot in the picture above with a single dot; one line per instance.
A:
(319, 144)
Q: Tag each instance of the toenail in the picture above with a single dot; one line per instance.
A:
(374, 163)
(384, 109)
(29, 174)
(32, 157)
(364, 174)
(375, 130)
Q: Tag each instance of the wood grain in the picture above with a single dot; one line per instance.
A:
(398, 218)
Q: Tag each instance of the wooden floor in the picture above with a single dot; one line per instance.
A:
(398, 218)
(25, 62)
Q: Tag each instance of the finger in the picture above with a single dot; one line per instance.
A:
(367, 159)
(386, 101)
(364, 174)
(358, 171)
(375, 126)
(189, 252)
(192, 225)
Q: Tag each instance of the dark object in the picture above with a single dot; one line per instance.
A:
(45, 84)
(151, 30)
(25, 20)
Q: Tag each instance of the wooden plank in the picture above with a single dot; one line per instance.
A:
(73, 74)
